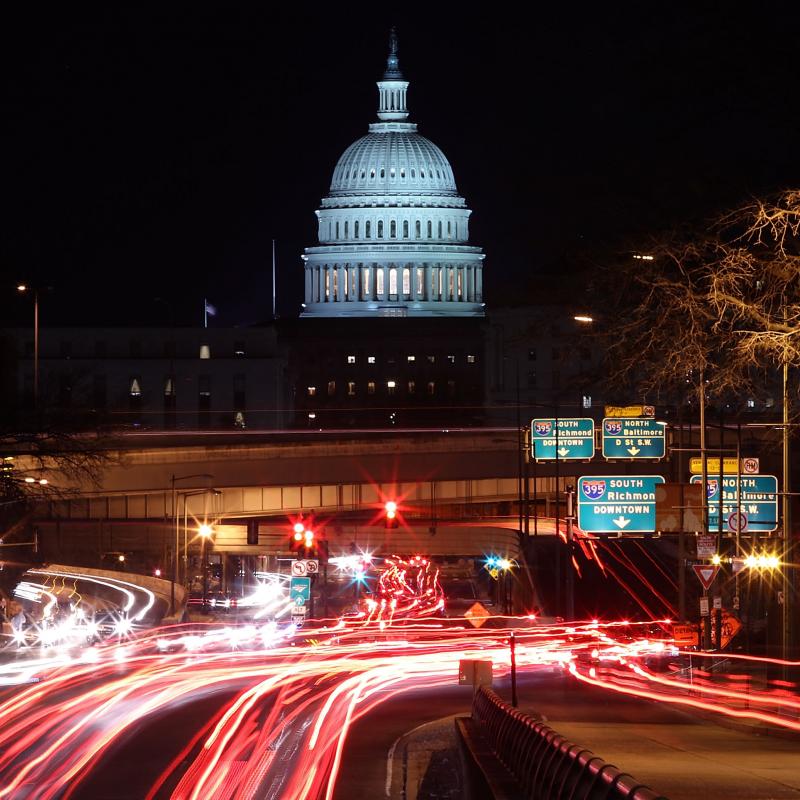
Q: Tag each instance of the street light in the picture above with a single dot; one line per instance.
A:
(22, 287)
(175, 479)
(205, 531)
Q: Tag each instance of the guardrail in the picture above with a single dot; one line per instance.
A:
(546, 765)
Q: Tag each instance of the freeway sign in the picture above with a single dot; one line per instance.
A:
(633, 437)
(614, 503)
(758, 503)
(300, 591)
(562, 439)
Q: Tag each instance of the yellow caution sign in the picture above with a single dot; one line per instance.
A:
(730, 466)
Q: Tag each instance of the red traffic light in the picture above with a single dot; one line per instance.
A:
(390, 506)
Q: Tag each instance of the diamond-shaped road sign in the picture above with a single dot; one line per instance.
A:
(705, 574)
(477, 615)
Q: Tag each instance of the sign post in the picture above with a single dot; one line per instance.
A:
(562, 439)
(618, 503)
(748, 502)
(634, 438)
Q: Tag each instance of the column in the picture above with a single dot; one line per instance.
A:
(479, 283)
(426, 282)
(308, 285)
(341, 284)
(321, 284)
(385, 269)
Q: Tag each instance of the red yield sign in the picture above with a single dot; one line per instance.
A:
(705, 574)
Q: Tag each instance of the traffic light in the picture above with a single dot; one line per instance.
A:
(391, 513)
(297, 538)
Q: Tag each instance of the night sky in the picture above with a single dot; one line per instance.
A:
(158, 154)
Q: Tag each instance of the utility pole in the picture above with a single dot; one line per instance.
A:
(570, 519)
(788, 550)
(706, 621)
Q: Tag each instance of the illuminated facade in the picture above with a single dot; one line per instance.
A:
(393, 232)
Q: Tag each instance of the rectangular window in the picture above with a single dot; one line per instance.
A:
(205, 351)
(431, 359)
(135, 389)
(371, 387)
(587, 401)
(431, 387)
(351, 359)
(451, 388)
(471, 359)
(532, 379)
(420, 281)
(311, 391)
(204, 385)
(412, 387)
(351, 388)
(411, 359)
(238, 349)
(331, 388)
(169, 387)
(406, 281)
(532, 354)
(451, 359)
(379, 281)
(370, 359)
(390, 387)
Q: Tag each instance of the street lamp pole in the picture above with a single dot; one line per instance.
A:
(175, 479)
(24, 288)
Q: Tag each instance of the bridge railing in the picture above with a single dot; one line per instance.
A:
(545, 764)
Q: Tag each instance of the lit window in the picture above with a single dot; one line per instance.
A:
(238, 349)
(769, 402)
(390, 387)
(587, 401)
(431, 387)
(136, 388)
(351, 388)
(238, 420)
(406, 281)
(451, 359)
(331, 388)
(431, 359)
(393, 280)
(351, 359)
(371, 387)
(751, 403)
(169, 388)
(205, 351)
(391, 172)
(412, 387)
(370, 359)
(471, 359)
(312, 415)
(379, 281)
(204, 385)
(412, 358)
(311, 391)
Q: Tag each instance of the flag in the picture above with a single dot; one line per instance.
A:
(212, 310)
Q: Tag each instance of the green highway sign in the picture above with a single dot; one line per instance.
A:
(562, 439)
(300, 591)
(752, 506)
(634, 438)
(617, 503)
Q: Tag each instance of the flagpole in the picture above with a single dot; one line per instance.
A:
(273, 279)
(205, 312)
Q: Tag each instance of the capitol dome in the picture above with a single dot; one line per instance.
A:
(393, 161)
(393, 231)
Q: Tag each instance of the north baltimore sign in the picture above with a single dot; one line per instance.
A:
(752, 506)
(634, 438)
(617, 503)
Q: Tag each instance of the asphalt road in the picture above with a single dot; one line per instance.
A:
(678, 754)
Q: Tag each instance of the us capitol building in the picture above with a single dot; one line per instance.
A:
(393, 232)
